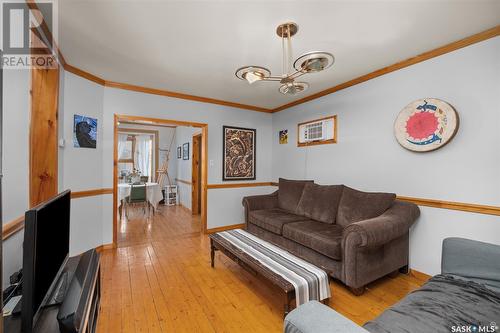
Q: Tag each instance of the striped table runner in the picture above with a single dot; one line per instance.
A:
(309, 281)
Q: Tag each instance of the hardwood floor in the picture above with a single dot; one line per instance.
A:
(160, 280)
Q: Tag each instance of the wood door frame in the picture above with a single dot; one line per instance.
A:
(156, 135)
(153, 121)
(195, 182)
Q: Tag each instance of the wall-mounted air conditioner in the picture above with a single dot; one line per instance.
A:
(317, 131)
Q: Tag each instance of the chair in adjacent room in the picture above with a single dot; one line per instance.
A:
(137, 196)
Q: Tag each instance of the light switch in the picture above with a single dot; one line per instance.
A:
(211, 163)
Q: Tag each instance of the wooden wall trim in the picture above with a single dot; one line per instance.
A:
(12, 227)
(452, 205)
(84, 74)
(237, 185)
(479, 37)
(187, 182)
(419, 275)
(91, 193)
(226, 227)
(104, 247)
(490, 33)
(173, 94)
(462, 206)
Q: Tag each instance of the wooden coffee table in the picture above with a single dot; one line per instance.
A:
(253, 266)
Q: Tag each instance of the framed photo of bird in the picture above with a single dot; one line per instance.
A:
(84, 132)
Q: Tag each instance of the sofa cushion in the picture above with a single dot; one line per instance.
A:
(357, 206)
(273, 220)
(320, 202)
(290, 192)
(322, 237)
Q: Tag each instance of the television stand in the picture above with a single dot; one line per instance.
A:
(79, 309)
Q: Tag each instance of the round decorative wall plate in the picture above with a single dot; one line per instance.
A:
(426, 124)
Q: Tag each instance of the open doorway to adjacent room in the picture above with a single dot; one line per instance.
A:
(160, 177)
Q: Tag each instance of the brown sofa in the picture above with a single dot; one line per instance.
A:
(357, 237)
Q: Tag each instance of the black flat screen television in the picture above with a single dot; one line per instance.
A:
(45, 252)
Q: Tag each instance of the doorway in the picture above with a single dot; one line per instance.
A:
(196, 176)
(201, 150)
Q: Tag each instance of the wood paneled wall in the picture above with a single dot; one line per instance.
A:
(43, 134)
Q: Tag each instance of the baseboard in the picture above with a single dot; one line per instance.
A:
(419, 275)
(226, 227)
(104, 247)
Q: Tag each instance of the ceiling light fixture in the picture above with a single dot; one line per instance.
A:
(311, 62)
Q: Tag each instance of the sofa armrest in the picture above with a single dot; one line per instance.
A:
(257, 202)
(314, 317)
(394, 223)
(472, 260)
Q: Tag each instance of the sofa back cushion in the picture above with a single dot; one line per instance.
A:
(290, 192)
(357, 206)
(320, 202)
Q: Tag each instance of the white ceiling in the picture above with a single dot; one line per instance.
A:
(194, 47)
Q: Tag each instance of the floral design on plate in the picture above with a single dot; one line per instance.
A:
(426, 124)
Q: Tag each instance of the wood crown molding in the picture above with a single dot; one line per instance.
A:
(237, 185)
(476, 38)
(173, 94)
(224, 228)
(479, 37)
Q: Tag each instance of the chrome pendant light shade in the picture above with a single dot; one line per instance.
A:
(252, 73)
(293, 88)
(311, 62)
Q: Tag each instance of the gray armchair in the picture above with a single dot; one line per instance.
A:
(462, 259)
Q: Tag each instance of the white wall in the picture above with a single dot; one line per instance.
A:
(15, 162)
(117, 101)
(82, 167)
(185, 167)
(368, 157)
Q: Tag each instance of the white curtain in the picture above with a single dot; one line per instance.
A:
(122, 145)
(143, 150)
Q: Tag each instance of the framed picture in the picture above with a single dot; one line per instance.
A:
(84, 132)
(239, 153)
(179, 152)
(283, 137)
(185, 151)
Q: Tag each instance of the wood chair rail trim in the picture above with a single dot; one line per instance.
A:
(187, 182)
(237, 185)
(17, 224)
